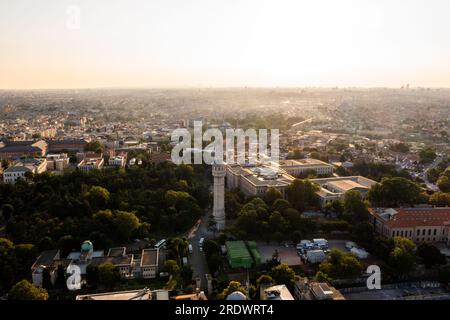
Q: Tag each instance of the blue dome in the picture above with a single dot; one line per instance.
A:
(87, 246)
(237, 295)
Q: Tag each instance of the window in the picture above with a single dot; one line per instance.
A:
(418, 232)
(429, 232)
(435, 232)
(423, 232)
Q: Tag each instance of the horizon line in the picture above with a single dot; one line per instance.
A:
(219, 87)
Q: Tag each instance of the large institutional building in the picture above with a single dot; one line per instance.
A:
(255, 180)
(417, 224)
(19, 169)
(303, 166)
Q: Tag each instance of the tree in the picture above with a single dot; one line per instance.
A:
(7, 211)
(440, 199)
(108, 275)
(24, 290)
(98, 197)
(233, 286)
(427, 155)
(92, 276)
(443, 183)
(302, 193)
(400, 147)
(172, 267)
(232, 204)
(402, 258)
(297, 236)
(341, 265)
(212, 225)
(322, 277)
(355, 207)
(66, 244)
(179, 247)
(394, 192)
(94, 146)
(211, 247)
(283, 274)
(338, 207)
(272, 195)
(264, 279)
(126, 223)
(174, 271)
(430, 255)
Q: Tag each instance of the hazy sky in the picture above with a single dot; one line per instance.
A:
(224, 43)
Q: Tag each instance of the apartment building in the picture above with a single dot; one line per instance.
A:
(19, 169)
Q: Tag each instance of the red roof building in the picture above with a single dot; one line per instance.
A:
(418, 224)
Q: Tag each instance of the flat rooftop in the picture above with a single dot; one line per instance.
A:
(303, 162)
(149, 257)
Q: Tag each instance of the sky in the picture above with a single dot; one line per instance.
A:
(224, 43)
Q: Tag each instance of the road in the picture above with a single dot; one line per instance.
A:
(197, 258)
(433, 165)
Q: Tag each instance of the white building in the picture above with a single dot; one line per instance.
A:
(117, 161)
(20, 168)
(57, 162)
(303, 166)
(89, 164)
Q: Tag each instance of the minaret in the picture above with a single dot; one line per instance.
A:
(219, 172)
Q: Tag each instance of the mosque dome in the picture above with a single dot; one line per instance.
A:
(87, 246)
(237, 295)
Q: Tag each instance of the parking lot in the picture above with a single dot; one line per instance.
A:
(288, 255)
(338, 244)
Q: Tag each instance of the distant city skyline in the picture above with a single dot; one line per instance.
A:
(205, 43)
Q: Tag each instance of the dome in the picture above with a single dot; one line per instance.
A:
(237, 295)
(87, 246)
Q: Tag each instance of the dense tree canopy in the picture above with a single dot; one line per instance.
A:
(15, 262)
(257, 220)
(341, 265)
(302, 193)
(110, 205)
(24, 290)
(402, 258)
(430, 255)
(395, 192)
(440, 199)
(427, 155)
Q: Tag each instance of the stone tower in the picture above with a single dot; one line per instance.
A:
(219, 172)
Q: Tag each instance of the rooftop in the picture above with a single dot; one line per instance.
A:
(413, 217)
(279, 292)
(149, 257)
(46, 258)
(303, 162)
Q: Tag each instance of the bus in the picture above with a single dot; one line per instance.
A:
(160, 244)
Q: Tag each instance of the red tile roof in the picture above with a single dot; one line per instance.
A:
(419, 217)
